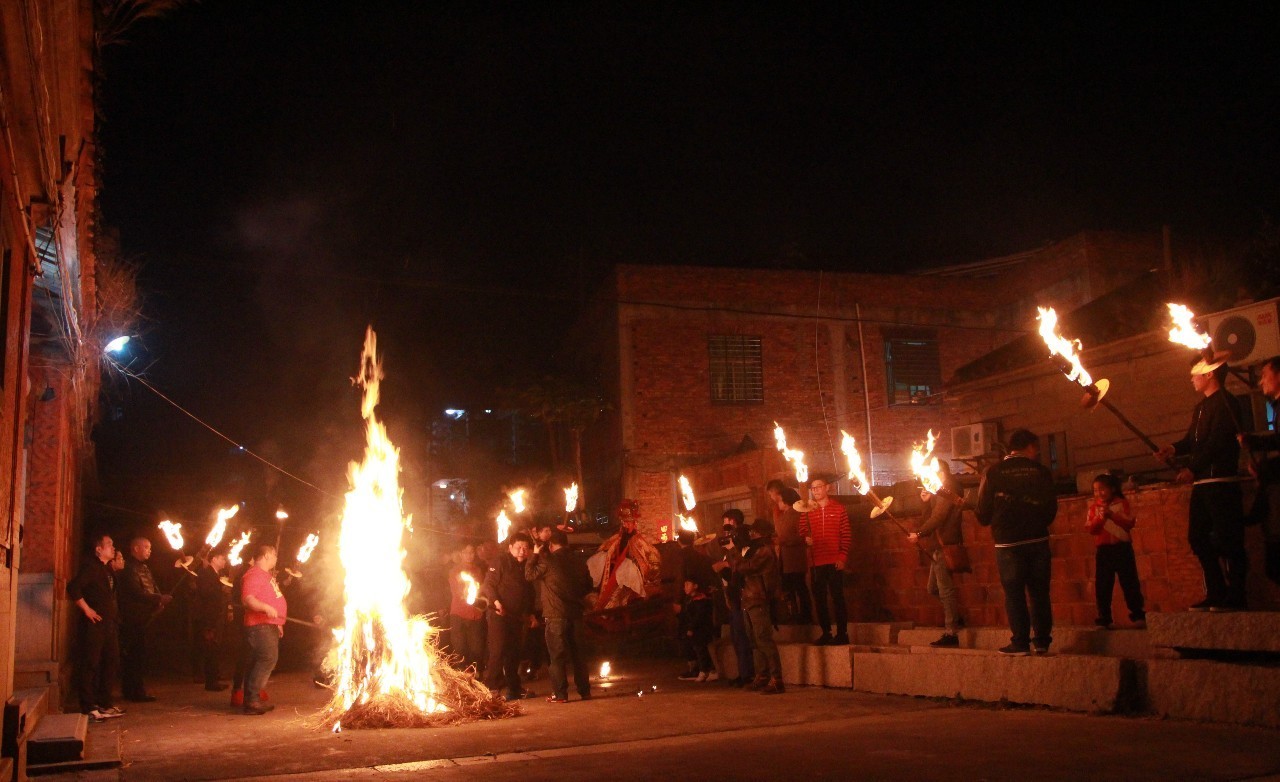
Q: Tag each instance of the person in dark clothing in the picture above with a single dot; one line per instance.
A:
(211, 603)
(510, 598)
(93, 591)
(1215, 527)
(1018, 501)
(941, 527)
(695, 631)
(694, 565)
(1266, 505)
(733, 537)
(140, 602)
(565, 583)
(793, 552)
(757, 566)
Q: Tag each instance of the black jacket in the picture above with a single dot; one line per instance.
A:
(97, 585)
(696, 617)
(212, 598)
(565, 582)
(1017, 500)
(139, 597)
(1211, 440)
(505, 581)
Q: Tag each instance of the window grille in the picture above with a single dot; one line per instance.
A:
(912, 369)
(737, 371)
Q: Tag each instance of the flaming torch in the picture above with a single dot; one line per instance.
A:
(795, 457)
(570, 500)
(173, 533)
(237, 548)
(1182, 328)
(687, 523)
(389, 669)
(472, 587)
(1066, 353)
(308, 547)
(517, 500)
(219, 527)
(504, 526)
(859, 477)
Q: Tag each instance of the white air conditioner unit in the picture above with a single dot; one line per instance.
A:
(972, 441)
(1250, 333)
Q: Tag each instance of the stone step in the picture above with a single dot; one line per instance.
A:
(102, 751)
(59, 738)
(866, 633)
(1215, 691)
(1067, 639)
(1066, 681)
(1241, 631)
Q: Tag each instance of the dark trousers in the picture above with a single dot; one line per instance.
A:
(97, 663)
(741, 639)
(535, 645)
(244, 657)
(796, 593)
(1215, 531)
(133, 658)
(697, 654)
(828, 580)
(1024, 574)
(1116, 560)
(466, 638)
(264, 644)
(1266, 511)
(210, 646)
(503, 668)
(564, 647)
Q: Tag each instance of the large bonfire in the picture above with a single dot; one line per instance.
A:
(390, 671)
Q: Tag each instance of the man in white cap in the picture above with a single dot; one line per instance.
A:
(1215, 528)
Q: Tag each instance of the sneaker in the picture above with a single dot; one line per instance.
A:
(237, 698)
(1203, 605)
(1102, 624)
(1225, 608)
(1015, 651)
(263, 696)
(823, 640)
(774, 687)
(713, 676)
(112, 711)
(947, 640)
(1038, 649)
(258, 708)
(841, 639)
(758, 683)
(688, 676)
(557, 699)
(95, 716)
(701, 677)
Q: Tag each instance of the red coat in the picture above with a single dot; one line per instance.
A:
(1121, 519)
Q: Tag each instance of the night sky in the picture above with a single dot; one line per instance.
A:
(457, 174)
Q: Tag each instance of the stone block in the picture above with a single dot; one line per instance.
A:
(1066, 640)
(819, 666)
(1220, 692)
(1244, 631)
(1075, 682)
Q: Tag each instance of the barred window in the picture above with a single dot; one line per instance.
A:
(737, 372)
(912, 368)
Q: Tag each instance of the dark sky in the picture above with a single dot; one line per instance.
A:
(287, 172)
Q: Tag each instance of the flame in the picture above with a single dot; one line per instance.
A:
(304, 553)
(1183, 329)
(281, 514)
(385, 658)
(925, 465)
(473, 587)
(173, 532)
(220, 526)
(793, 456)
(571, 498)
(504, 526)
(517, 500)
(605, 669)
(686, 494)
(1061, 346)
(233, 556)
(687, 524)
(850, 449)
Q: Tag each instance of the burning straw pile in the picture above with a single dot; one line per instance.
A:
(390, 671)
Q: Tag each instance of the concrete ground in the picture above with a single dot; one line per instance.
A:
(678, 731)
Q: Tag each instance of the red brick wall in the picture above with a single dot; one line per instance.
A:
(45, 543)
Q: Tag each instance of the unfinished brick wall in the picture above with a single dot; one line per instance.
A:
(50, 504)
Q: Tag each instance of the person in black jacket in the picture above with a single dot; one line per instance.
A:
(565, 583)
(510, 598)
(1266, 505)
(1018, 501)
(140, 601)
(1215, 527)
(695, 631)
(212, 600)
(93, 591)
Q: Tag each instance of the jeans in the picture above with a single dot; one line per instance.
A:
(796, 593)
(1215, 531)
(829, 580)
(564, 645)
(98, 660)
(741, 643)
(1116, 560)
(264, 643)
(1024, 573)
(760, 627)
(940, 584)
(503, 668)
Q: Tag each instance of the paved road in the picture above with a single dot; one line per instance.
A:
(684, 731)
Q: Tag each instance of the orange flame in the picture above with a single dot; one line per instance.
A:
(517, 500)
(850, 449)
(173, 532)
(473, 587)
(1182, 330)
(281, 514)
(504, 526)
(1061, 346)
(686, 494)
(305, 551)
(925, 465)
(233, 556)
(795, 457)
(605, 669)
(571, 498)
(687, 524)
(220, 526)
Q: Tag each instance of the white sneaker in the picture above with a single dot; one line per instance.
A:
(112, 711)
(713, 676)
(702, 676)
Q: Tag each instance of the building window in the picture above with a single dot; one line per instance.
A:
(737, 372)
(1053, 454)
(912, 368)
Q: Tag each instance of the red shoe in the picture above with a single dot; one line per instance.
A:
(263, 697)
(237, 698)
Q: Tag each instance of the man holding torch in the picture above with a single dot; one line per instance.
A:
(825, 527)
(265, 609)
(212, 598)
(140, 601)
(1215, 528)
(942, 528)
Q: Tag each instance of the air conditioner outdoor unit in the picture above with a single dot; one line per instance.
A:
(972, 441)
(1250, 333)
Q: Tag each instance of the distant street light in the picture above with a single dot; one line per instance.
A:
(116, 345)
